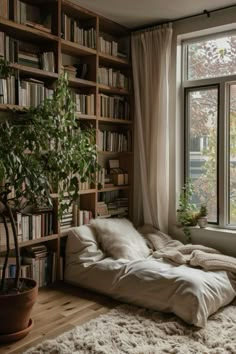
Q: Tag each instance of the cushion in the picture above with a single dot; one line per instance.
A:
(82, 246)
(119, 239)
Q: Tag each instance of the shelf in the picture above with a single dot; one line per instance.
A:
(115, 90)
(23, 32)
(114, 188)
(110, 59)
(114, 120)
(81, 83)
(74, 48)
(12, 107)
(31, 242)
(87, 191)
(35, 72)
(115, 153)
(85, 116)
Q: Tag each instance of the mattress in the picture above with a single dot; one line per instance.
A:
(190, 293)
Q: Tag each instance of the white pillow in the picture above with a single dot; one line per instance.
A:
(119, 239)
(82, 246)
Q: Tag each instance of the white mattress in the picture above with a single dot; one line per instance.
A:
(190, 293)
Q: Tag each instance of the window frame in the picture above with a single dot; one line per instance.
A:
(223, 140)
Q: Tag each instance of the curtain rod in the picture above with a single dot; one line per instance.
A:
(205, 12)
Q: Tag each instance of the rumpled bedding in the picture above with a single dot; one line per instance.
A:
(163, 281)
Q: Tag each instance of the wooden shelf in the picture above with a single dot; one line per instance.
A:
(110, 59)
(31, 242)
(114, 188)
(114, 90)
(12, 107)
(81, 83)
(27, 70)
(87, 191)
(115, 153)
(114, 120)
(73, 48)
(85, 116)
(23, 32)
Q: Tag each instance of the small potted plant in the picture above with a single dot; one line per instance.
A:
(187, 211)
(202, 216)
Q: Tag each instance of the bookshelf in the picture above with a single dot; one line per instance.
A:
(42, 39)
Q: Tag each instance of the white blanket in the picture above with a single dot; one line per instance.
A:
(190, 293)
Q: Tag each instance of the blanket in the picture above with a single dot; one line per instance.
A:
(174, 251)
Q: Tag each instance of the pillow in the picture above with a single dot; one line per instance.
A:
(119, 239)
(82, 246)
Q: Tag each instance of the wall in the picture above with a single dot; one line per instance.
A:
(223, 240)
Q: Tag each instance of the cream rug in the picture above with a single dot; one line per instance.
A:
(132, 330)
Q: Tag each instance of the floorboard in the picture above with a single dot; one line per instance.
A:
(59, 309)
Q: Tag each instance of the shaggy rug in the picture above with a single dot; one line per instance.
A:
(131, 330)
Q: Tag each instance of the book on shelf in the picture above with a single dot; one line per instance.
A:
(114, 142)
(73, 31)
(113, 106)
(42, 264)
(30, 15)
(113, 78)
(4, 9)
(32, 92)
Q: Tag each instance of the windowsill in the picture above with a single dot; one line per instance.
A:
(210, 229)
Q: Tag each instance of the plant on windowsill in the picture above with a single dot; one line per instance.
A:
(41, 147)
(187, 210)
(202, 216)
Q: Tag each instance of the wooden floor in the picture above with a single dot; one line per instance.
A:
(59, 309)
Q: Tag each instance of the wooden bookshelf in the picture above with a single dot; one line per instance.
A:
(70, 50)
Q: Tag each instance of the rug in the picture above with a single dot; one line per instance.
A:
(132, 330)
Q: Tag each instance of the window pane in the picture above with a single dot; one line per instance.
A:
(202, 115)
(211, 58)
(232, 156)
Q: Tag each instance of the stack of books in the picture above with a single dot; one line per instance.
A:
(42, 264)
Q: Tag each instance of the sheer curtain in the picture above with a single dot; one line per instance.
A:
(151, 52)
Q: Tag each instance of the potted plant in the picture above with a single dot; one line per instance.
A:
(202, 216)
(40, 148)
(187, 210)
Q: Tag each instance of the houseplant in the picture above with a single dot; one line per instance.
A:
(202, 216)
(187, 210)
(41, 149)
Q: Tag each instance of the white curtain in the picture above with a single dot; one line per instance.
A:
(151, 52)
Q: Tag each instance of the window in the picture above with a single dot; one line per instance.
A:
(209, 86)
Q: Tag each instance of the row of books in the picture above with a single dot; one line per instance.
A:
(72, 31)
(44, 61)
(36, 263)
(84, 185)
(114, 107)
(32, 92)
(112, 78)
(81, 217)
(112, 205)
(29, 227)
(84, 103)
(108, 47)
(114, 141)
(8, 90)
(15, 51)
(30, 15)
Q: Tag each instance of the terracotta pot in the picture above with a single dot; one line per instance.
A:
(16, 308)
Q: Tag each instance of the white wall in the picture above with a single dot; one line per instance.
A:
(201, 25)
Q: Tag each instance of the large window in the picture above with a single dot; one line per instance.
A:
(209, 86)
